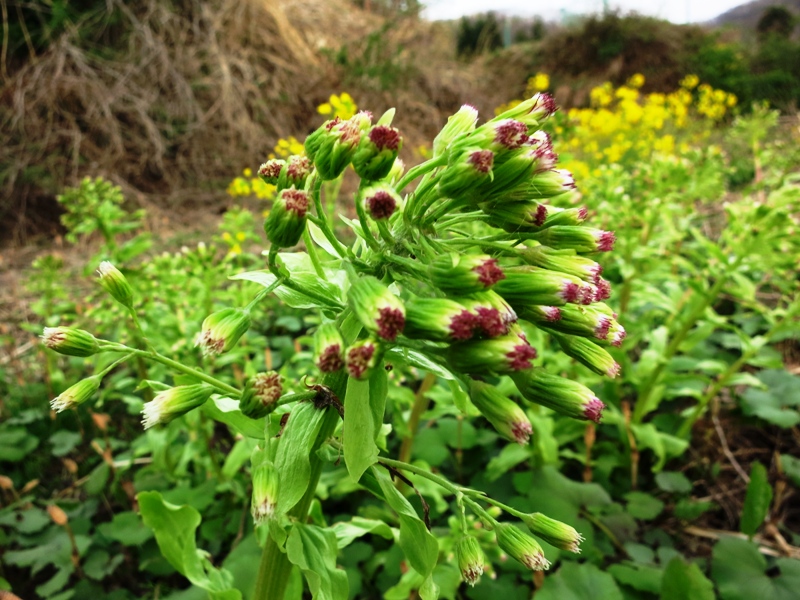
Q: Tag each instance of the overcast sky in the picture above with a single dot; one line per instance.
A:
(678, 11)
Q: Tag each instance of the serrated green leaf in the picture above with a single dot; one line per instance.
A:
(757, 500)
(685, 580)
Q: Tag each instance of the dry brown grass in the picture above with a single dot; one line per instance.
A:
(191, 92)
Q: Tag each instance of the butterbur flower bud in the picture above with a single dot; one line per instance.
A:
(294, 172)
(362, 358)
(265, 492)
(515, 216)
(458, 124)
(580, 239)
(328, 348)
(547, 184)
(439, 319)
(378, 309)
(115, 284)
(554, 532)
(470, 559)
(506, 417)
(532, 111)
(562, 395)
(70, 341)
(76, 394)
(465, 172)
(521, 546)
(499, 135)
(588, 353)
(314, 140)
(381, 201)
(174, 402)
(286, 221)
(576, 320)
(495, 315)
(377, 152)
(616, 334)
(506, 354)
(566, 261)
(261, 394)
(526, 285)
(270, 171)
(459, 275)
(334, 149)
(221, 330)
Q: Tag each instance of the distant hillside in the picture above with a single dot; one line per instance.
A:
(747, 15)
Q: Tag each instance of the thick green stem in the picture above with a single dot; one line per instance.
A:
(275, 568)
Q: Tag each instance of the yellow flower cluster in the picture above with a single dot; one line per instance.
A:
(622, 125)
(342, 106)
(234, 242)
(247, 185)
(538, 83)
(287, 147)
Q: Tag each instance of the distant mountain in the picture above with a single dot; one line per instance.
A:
(747, 15)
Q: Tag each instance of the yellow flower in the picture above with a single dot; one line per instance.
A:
(636, 81)
(538, 83)
(690, 82)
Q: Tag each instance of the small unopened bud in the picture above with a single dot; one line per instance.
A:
(376, 152)
(114, 282)
(554, 532)
(465, 172)
(521, 546)
(495, 315)
(580, 239)
(506, 354)
(294, 172)
(458, 124)
(532, 111)
(76, 394)
(505, 415)
(439, 319)
(221, 330)
(470, 559)
(328, 348)
(526, 285)
(548, 184)
(287, 219)
(562, 395)
(585, 321)
(588, 353)
(70, 341)
(174, 402)
(565, 261)
(362, 358)
(336, 145)
(261, 394)
(270, 171)
(265, 492)
(499, 135)
(460, 275)
(381, 202)
(378, 309)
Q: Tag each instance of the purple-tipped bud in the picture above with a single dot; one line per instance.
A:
(565, 261)
(554, 532)
(533, 111)
(494, 314)
(174, 402)
(589, 322)
(506, 416)
(526, 285)
(294, 172)
(270, 171)
(506, 354)
(221, 330)
(521, 546)
(439, 319)
(603, 291)
(381, 202)
(580, 239)
(287, 219)
(76, 394)
(459, 275)
(377, 152)
(333, 146)
(470, 559)
(547, 184)
(261, 394)
(588, 353)
(509, 133)
(562, 395)
(328, 348)
(70, 341)
(465, 172)
(378, 309)
(362, 358)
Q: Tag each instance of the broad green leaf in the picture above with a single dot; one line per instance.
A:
(575, 581)
(640, 577)
(294, 451)
(418, 544)
(238, 456)
(174, 528)
(16, 443)
(685, 580)
(779, 404)
(670, 481)
(689, 510)
(64, 441)
(26, 521)
(313, 549)
(510, 456)
(791, 467)
(737, 567)
(360, 450)
(419, 360)
(126, 528)
(347, 531)
(643, 506)
(757, 500)
(226, 410)
(664, 446)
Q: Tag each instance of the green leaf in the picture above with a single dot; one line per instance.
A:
(310, 281)
(664, 446)
(689, 510)
(510, 456)
(26, 521)
(313, 549)
(779, 403)
(756, 500)
(418, 544)
(643, 506)
(360, 450)
(226, 410)
(16, 443)
(293, 459)
(575, 581)
(674, 482)
(126, 528)
(791, 467)
(174, 528)
(347, 531)
(685, 580)
(640, 577)
(64, 441)
(737, 568)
